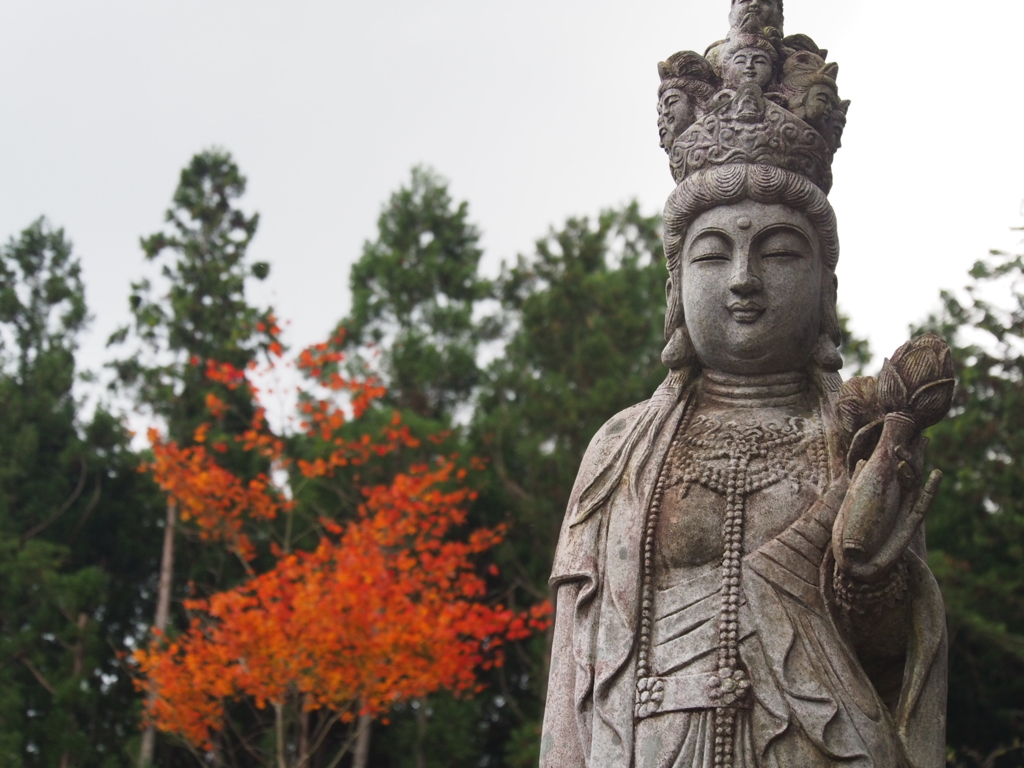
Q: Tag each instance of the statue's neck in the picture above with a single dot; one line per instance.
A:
(773, 390)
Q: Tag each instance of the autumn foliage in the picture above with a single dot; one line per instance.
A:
(389, 605)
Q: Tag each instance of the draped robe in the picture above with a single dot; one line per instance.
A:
(812, 702)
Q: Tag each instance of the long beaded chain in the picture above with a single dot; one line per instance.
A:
(649, 690)
(729, 683)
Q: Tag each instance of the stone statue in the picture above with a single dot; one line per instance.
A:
(741, 576)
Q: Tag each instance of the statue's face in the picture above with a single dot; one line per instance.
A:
(675, 114)
(755, 15)
(748, 65)
(752, 288)
(820, 101)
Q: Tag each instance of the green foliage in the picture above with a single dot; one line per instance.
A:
(71, 577)
(583, 320)
(42, 304)
(976, 527)
(414, 291)
(438, 732)
(204, 314)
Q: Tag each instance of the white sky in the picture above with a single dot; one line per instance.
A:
(534, 111)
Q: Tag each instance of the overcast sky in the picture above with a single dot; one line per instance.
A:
(534, 110)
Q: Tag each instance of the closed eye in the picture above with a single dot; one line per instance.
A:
(709, 246)
(709, 257)
(782, 255)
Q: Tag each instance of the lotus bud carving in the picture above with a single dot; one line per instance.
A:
(857, 405)
(918, 380)
(915, 389)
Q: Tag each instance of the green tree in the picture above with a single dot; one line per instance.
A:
(414, 292)
(203, 315)
(581, 325)
(976, 526)
(71, 503)
(584, 330)
(201, 318)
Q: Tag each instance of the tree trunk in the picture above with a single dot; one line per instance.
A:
(163, 611)
(362, 752)
(279, 733)
(421, 733)
(77, 665)
(303, 732)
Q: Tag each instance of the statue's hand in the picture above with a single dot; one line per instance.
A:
(915, 503)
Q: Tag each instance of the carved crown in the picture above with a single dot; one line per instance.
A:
(755, 98)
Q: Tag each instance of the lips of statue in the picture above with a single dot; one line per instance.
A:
(752, 287)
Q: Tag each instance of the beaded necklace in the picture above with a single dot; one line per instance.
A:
(733, 461)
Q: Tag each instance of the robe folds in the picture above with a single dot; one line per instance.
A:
(812, 702)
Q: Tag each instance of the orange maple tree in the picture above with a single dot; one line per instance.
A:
(387, 606)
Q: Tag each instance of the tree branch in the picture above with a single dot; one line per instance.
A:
(38, 675)
(39, 528)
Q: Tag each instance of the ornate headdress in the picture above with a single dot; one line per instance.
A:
(768, 136)
(792, 120)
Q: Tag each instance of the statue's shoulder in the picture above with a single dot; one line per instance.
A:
(603, 448)
(608, 437)
(576, 557)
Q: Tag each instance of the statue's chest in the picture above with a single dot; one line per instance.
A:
(735, 481)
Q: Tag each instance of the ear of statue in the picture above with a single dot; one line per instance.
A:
(679, 353)
(830, 313)
(673, 314)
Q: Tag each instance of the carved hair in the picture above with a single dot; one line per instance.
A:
(731, 184)
(698, 90)
(728, 185)
(690, 73)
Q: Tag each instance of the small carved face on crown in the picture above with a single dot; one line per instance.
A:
(819, 102)
(748, 65)
(676, 113)
(754, 15)
(752, 288)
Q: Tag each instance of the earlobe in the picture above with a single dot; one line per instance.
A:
(679, 352)
(826, 356)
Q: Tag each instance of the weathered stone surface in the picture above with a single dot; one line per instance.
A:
(741, 577)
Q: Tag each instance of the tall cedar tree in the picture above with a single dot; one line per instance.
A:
(203, 319)
(976, 526)
(75, 519)
(414, 292)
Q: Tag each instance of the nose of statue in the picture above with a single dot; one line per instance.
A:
(744, 281)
